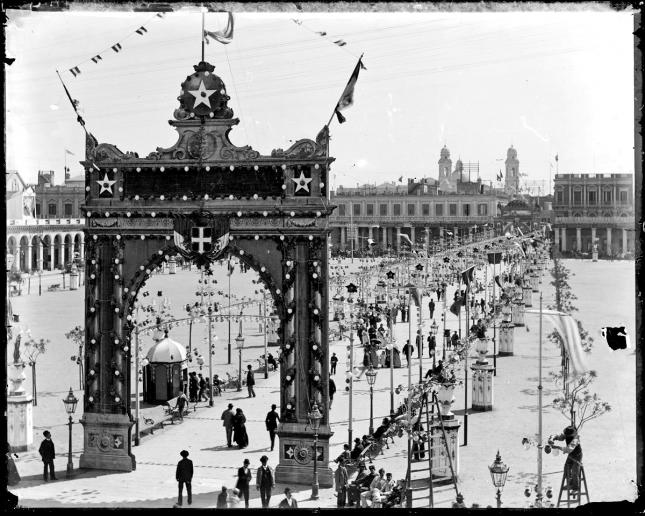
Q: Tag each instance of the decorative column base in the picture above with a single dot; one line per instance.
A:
(440, 463)
(594, 256)
(295, 447)
(107, 439)
(73, 281)
(518, 314)
(20, 422)
(528, 296)
(535, 283)
(172, 265)
(482, 390)
(506, 339)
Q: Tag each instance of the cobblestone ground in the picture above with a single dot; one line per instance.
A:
(605, 298)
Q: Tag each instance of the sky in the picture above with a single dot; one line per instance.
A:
(545, 82)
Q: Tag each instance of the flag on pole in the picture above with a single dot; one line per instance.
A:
(223, 36)
(67, 151)
(568, 331)
(556, 157)
(468, 276)
(406, 238)
(347, 98)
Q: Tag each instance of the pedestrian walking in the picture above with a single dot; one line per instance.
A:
(227, 418)
(341, 479)
(180, 406)
(431, 306)
(193, 387)
(482, 303)
(184, 475)
(432, 345)
(454, 340)
(207, 389)
(332, 391)
(404, 312)
(264, 479)
(271, 422)
(222, 498)
(333, 361)
(243, 480)
(288, 502)
(408, 350)
(419, 344)
(47, 454)
(202, 388)
(250, 381)
(240, 436)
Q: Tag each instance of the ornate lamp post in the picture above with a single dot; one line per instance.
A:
(315, 417)
(498, 471)
(70, 407)
(351, 289)
(371, 378)
(239, 342)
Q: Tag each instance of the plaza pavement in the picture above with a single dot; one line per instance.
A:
(608, 442)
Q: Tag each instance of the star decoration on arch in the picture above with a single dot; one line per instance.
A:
(201, 95)
(106, 185)
(302, 182)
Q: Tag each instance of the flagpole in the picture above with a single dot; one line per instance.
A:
(538, 500)
(203, 15)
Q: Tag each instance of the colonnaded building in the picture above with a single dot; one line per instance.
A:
(456, 203)
(44, 226)
(594, 209)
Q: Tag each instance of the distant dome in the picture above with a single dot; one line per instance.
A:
(445, 153)
(166, 351)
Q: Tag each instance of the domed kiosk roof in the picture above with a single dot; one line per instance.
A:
(166, 351)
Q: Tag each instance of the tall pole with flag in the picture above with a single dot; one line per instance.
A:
(347, 97)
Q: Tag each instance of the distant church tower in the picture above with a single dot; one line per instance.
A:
(445, 170)
(512, 182)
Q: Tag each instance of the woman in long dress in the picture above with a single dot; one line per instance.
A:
(240, 436)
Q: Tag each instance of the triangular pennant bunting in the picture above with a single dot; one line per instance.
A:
(97, 58)
(141, 30)
(75, 71)
(116, 47)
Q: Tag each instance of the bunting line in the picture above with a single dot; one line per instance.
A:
(117, 47)
(323, 34)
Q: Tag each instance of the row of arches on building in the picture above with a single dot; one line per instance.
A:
(47, 251)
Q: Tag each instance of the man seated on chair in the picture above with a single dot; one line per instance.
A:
(375, 489)
(271, 361)
(358, 449)
(394, 496)
(346, 454)
(360, 483)
(380, 431)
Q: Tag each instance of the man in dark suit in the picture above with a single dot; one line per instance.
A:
(47, 454)
(332, 391)
(243, 480)
(271, 422)
(431, 308)
(264, 481)
(288, 502)
(250, 381)
(227, 418)
(184, 475)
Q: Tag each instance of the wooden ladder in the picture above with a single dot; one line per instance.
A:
(425, 479)
(575, 499)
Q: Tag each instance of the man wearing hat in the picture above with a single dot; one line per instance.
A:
(227, 418)
(184, 475)
(264, 481)
(243, 480)
(271, 422)
(574, 457)
(48, 454)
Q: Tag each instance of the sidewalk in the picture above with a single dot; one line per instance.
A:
(609, 465)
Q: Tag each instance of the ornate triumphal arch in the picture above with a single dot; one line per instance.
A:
(205, 198)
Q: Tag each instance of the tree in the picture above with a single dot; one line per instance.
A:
(579, 405)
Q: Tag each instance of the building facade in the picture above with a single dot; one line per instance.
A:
(594, 209)
(59, 201)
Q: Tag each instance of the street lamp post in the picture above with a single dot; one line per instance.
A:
(498, 471)
(210, 356)
(239, 342)
(314, 420)
(371, 378)
(70, 407)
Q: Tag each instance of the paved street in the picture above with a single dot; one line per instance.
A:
(608, 442)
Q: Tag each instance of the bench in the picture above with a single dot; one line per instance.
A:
(54, 287)
(261, 366)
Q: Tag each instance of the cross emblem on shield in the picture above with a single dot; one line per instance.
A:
(202, 240)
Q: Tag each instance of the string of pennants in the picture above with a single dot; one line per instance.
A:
(338, 42)
(117, 47)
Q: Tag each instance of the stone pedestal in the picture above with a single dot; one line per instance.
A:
(594, 255)
(518, 313)
(73, 280)
(107, 442)
(439, 453)
(527, 295)
(506, 339)
(507, 313)
(172, 265)
(482, 386)
(295, 448)
(535, 282)
(446, 397)
(20, 422)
